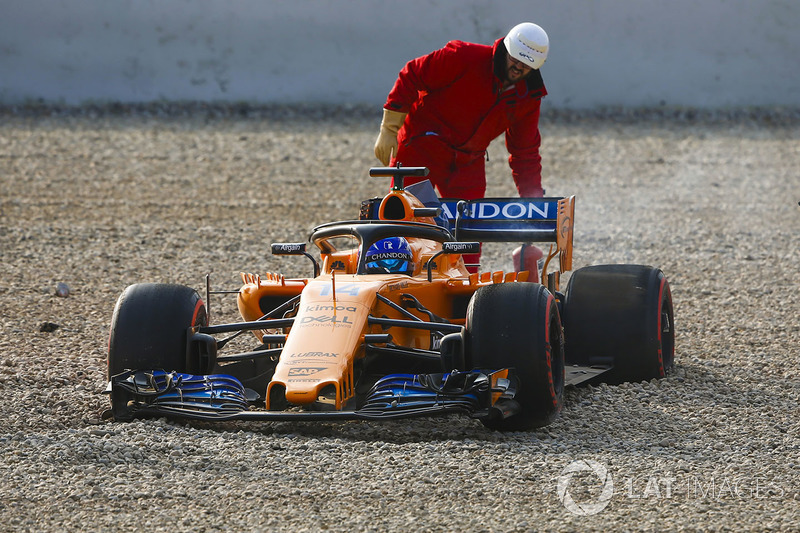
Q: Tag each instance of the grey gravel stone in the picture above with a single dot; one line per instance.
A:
(109, 196)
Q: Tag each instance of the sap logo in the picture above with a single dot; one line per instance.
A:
(304, 371)
(350, 289)
(331, 308)
(309, 355)
(333, 319)
(493, 210)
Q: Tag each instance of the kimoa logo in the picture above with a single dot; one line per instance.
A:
(331, 308)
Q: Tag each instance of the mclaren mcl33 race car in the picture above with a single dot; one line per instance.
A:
(392, 324)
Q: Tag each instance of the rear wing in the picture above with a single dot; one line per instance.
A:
(523, 220)
(514, 220)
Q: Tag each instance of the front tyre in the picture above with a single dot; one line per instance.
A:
(517, 325)
(620, 315)
(149, 328)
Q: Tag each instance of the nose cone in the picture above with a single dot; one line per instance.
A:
(325, 339)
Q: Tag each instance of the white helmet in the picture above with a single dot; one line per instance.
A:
(528, 43)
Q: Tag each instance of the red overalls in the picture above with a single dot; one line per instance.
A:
(456, 107)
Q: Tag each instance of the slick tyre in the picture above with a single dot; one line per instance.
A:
(620, 315)
(517, 325)
(149, 328)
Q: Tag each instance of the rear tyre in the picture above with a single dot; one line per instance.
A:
(149, 328)
(620, 315)
(518, 325)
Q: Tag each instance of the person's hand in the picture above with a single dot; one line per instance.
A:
(531, 192)
(386, 144)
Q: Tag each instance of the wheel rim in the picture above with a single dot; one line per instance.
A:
(666, 336)
(556, 350)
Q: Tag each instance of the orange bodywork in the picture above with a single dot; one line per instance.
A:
(328, 332)
(331, 319)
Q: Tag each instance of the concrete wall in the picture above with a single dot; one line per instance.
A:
(699, 53)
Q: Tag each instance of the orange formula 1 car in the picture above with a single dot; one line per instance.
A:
(393, 325)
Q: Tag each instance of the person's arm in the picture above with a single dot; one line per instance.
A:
(420, 75)
(426, 74)
(523, 141)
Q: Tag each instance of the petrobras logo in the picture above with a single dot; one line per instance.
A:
(503, 209)
(397, 286)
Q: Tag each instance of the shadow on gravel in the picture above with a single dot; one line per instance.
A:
(683, 419)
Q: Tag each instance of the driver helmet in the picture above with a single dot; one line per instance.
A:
(528, 43)
(390, 256)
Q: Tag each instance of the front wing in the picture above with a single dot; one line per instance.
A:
(479, 394)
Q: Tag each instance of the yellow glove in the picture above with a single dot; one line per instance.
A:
(386, 144)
